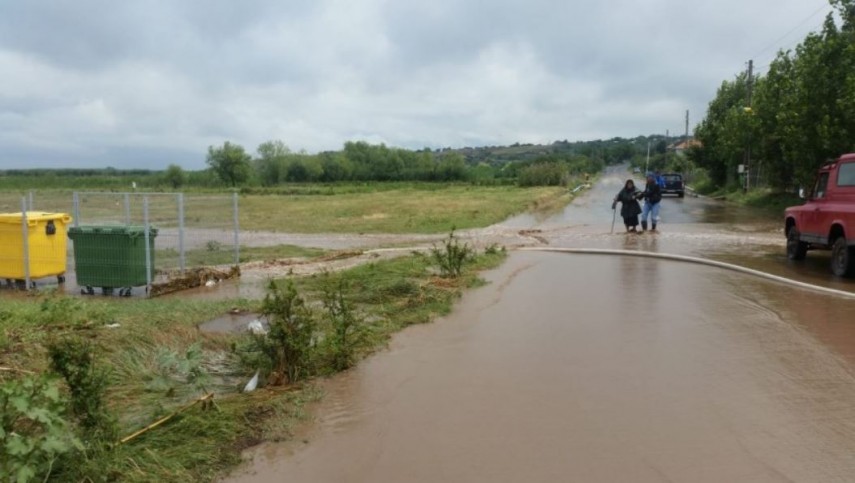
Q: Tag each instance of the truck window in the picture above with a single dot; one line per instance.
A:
(821, 186)
(846, 175)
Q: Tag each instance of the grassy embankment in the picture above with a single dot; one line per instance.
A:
(763, 199)
(156, 347)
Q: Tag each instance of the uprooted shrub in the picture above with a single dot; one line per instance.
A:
(452, 256)
(33, 430)
(285, 353)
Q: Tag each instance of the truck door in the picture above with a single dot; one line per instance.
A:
(813, 226)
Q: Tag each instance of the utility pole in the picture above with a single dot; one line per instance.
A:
(686, 147)
(749, 89)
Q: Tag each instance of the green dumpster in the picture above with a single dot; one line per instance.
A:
(111, 257)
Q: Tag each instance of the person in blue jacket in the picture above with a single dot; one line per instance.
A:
(652, 195)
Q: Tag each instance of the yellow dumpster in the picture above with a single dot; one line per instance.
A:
(45, 250)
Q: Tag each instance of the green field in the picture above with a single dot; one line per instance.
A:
(402, 210)
(343, 208)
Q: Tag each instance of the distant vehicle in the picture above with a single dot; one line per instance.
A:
(636, 170)
(673, 184)
(826, 221)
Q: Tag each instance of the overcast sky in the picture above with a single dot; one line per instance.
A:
(148, 83)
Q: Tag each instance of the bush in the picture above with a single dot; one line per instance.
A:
(74, 360)
(346, 335)
(286, 351)
(452, 256)
(543, 174)
(33, 431)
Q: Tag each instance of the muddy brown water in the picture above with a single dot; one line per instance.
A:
(593, 368)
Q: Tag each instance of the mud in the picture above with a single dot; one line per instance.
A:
(581, 368)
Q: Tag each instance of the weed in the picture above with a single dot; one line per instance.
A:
(33, 431)
(452, 256)
(494, 249)
(74, 360)
(286, 351)
(213, 246)
(347, 331)
(174, 369)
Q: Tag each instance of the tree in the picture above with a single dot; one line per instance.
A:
(230, 162)
(269, 165)
(175, 176)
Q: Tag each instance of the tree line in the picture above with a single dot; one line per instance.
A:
(786, 123)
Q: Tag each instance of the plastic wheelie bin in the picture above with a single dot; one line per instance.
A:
(42, 254)
(111, 257)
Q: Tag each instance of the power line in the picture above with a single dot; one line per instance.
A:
(806, 20)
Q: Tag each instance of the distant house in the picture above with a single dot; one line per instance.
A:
(681, 146)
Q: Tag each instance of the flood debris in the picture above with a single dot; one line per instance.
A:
(193, 278)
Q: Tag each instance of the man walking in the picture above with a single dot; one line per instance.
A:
(652, 195)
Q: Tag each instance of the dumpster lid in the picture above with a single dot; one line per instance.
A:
(33, 216)
(127, 230)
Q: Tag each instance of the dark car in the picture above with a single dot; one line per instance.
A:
(673, 184)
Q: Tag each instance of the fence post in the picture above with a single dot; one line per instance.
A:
(127, 209)
(30, 200)
(147, 245)
(25, 234)
(181, 262)
(76, 208)
(237, 227)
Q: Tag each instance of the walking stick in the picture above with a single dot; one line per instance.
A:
(614, 215)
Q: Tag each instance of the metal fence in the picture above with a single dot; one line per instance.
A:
(114, 241)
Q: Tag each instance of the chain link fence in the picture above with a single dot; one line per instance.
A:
(112, 242)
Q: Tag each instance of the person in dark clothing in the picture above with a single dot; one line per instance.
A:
(630, 209)
(652, 195)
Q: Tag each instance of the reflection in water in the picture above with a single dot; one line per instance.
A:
(594, 368)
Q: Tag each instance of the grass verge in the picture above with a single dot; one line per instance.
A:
(159, 361)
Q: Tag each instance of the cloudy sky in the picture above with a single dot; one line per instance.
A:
(146, 83)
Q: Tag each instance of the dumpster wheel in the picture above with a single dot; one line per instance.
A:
(125, 292)
(87, 291)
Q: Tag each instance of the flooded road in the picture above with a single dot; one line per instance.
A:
(595, 368)
(604, 368)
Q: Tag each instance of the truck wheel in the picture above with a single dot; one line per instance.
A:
(842, 258)
(681, 194)
(796, 249)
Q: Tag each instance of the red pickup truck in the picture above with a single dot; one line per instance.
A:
(827, 219)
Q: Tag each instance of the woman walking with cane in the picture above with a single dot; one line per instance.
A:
(629, 209)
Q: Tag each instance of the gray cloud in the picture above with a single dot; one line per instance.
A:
(148, 83)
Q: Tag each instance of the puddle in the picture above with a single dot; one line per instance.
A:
(230, 323)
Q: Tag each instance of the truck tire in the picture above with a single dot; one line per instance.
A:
(842, 258)
(796, 249)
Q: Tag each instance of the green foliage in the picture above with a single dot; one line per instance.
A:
(74, 359)
(452, 256)
(174, 176)
(285, 353)
(33, 431)
(543, 174)
(174, 370)
(346, 333)
(230, 162)
(802, 112)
